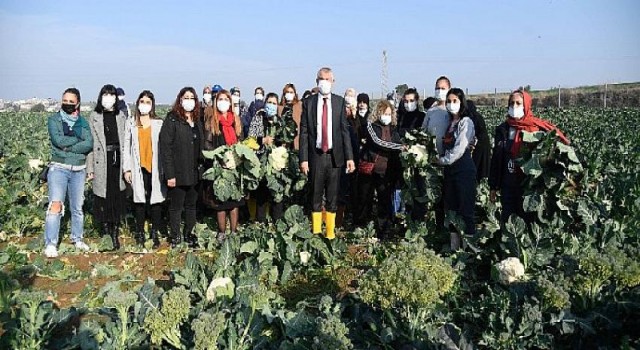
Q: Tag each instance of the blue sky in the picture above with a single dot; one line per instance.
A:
(46, 46)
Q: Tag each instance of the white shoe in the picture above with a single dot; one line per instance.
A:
(51, 251)
(80, 245)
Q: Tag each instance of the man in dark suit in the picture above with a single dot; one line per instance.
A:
(325, 148)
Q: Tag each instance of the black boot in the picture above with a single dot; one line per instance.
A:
(138, 235)
(189, 238)
(154, 237)
(105, 229)
(175, 239)
(113, 232)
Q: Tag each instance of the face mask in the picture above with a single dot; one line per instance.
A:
(108, 101)
(68, 108)
(410, 106)
(517, 112)
(271, 109)
(362, 112)
(385, 119)
(189, 105)
(289, 96)
(206, 97)
(121, 97)
(223, 105)
(441, 94)
(144, 108)
(453, 107)
(351, 101)
(235, 98)
(259, 96)
(325, 87)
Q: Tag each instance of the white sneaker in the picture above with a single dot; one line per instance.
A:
(51, 251)
(80, 245)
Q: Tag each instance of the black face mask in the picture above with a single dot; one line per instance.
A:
(68, 108)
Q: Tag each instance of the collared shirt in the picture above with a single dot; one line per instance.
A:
(319, 121)
(436, 123)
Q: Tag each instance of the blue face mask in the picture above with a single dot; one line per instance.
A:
(271, 109)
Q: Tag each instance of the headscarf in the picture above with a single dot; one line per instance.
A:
(530, 123)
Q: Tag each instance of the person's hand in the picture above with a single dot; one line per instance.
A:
(492, 196)
(267, 140)
(304, 167)
(351, 166)
(127, 176)
(405, 148)
(435, 160)
(171, 182)
(89, 176)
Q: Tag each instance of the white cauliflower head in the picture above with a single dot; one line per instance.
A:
(304, 257)
(220, 287)
(35, 163)
(231, 160)
(509, 270)
(278, 158)
(420, 153)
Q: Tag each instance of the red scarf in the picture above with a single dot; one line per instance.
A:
(228, 130)
(530, 123)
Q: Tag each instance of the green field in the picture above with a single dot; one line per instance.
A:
(279, 287)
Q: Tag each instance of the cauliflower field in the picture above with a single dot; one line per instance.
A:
(569, 280)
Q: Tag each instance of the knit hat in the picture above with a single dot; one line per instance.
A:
(120, 91)
(362, 97)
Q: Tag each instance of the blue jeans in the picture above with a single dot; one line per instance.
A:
(60, 182)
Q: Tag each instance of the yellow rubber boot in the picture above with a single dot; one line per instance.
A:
(316, 222)
(331, 225)
(252, 206)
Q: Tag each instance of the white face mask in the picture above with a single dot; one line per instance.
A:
(259, 96)
(410, 106)
(108, 101)
(235, 98)
(289, 96)
(206, 97)
(517, 112)
(144, 108)
(189, 105)
(223, 105)
(325, 87)
(362, 112)
(441, 94)
(351, 101)
(385, 119)
(453, 107)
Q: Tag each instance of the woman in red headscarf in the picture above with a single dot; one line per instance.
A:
(223, 128)
(505, 175)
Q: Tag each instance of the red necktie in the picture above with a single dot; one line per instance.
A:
(325, 127)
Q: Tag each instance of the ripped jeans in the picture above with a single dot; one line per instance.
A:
(62, 181)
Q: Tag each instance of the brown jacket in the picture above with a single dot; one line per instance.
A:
(297, 112)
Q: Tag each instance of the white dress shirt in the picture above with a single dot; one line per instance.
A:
(319, 121)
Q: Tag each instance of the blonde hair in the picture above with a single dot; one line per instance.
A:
(349, 92)
(381, 107)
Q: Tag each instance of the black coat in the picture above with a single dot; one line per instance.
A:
(374, 146)
(179, 158)
(482, 152)
(342, 150)
(408, 121)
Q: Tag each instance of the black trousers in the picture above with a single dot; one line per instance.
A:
(141, 209)
(460, 196)
(264, 198)
(325, 181)
(183, 198)
(384, 187)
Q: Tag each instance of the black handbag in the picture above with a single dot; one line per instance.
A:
(44, 173)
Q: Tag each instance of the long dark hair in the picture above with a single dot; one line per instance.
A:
(177, 105)
(295, 100)
(464, 109)
(108, 89)
(152, 113)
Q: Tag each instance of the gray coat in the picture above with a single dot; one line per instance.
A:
(131, 162)
(97, 159)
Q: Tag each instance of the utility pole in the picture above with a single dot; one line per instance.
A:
(495, 97)
(385, 75)
(605, 95)
(558, 96)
